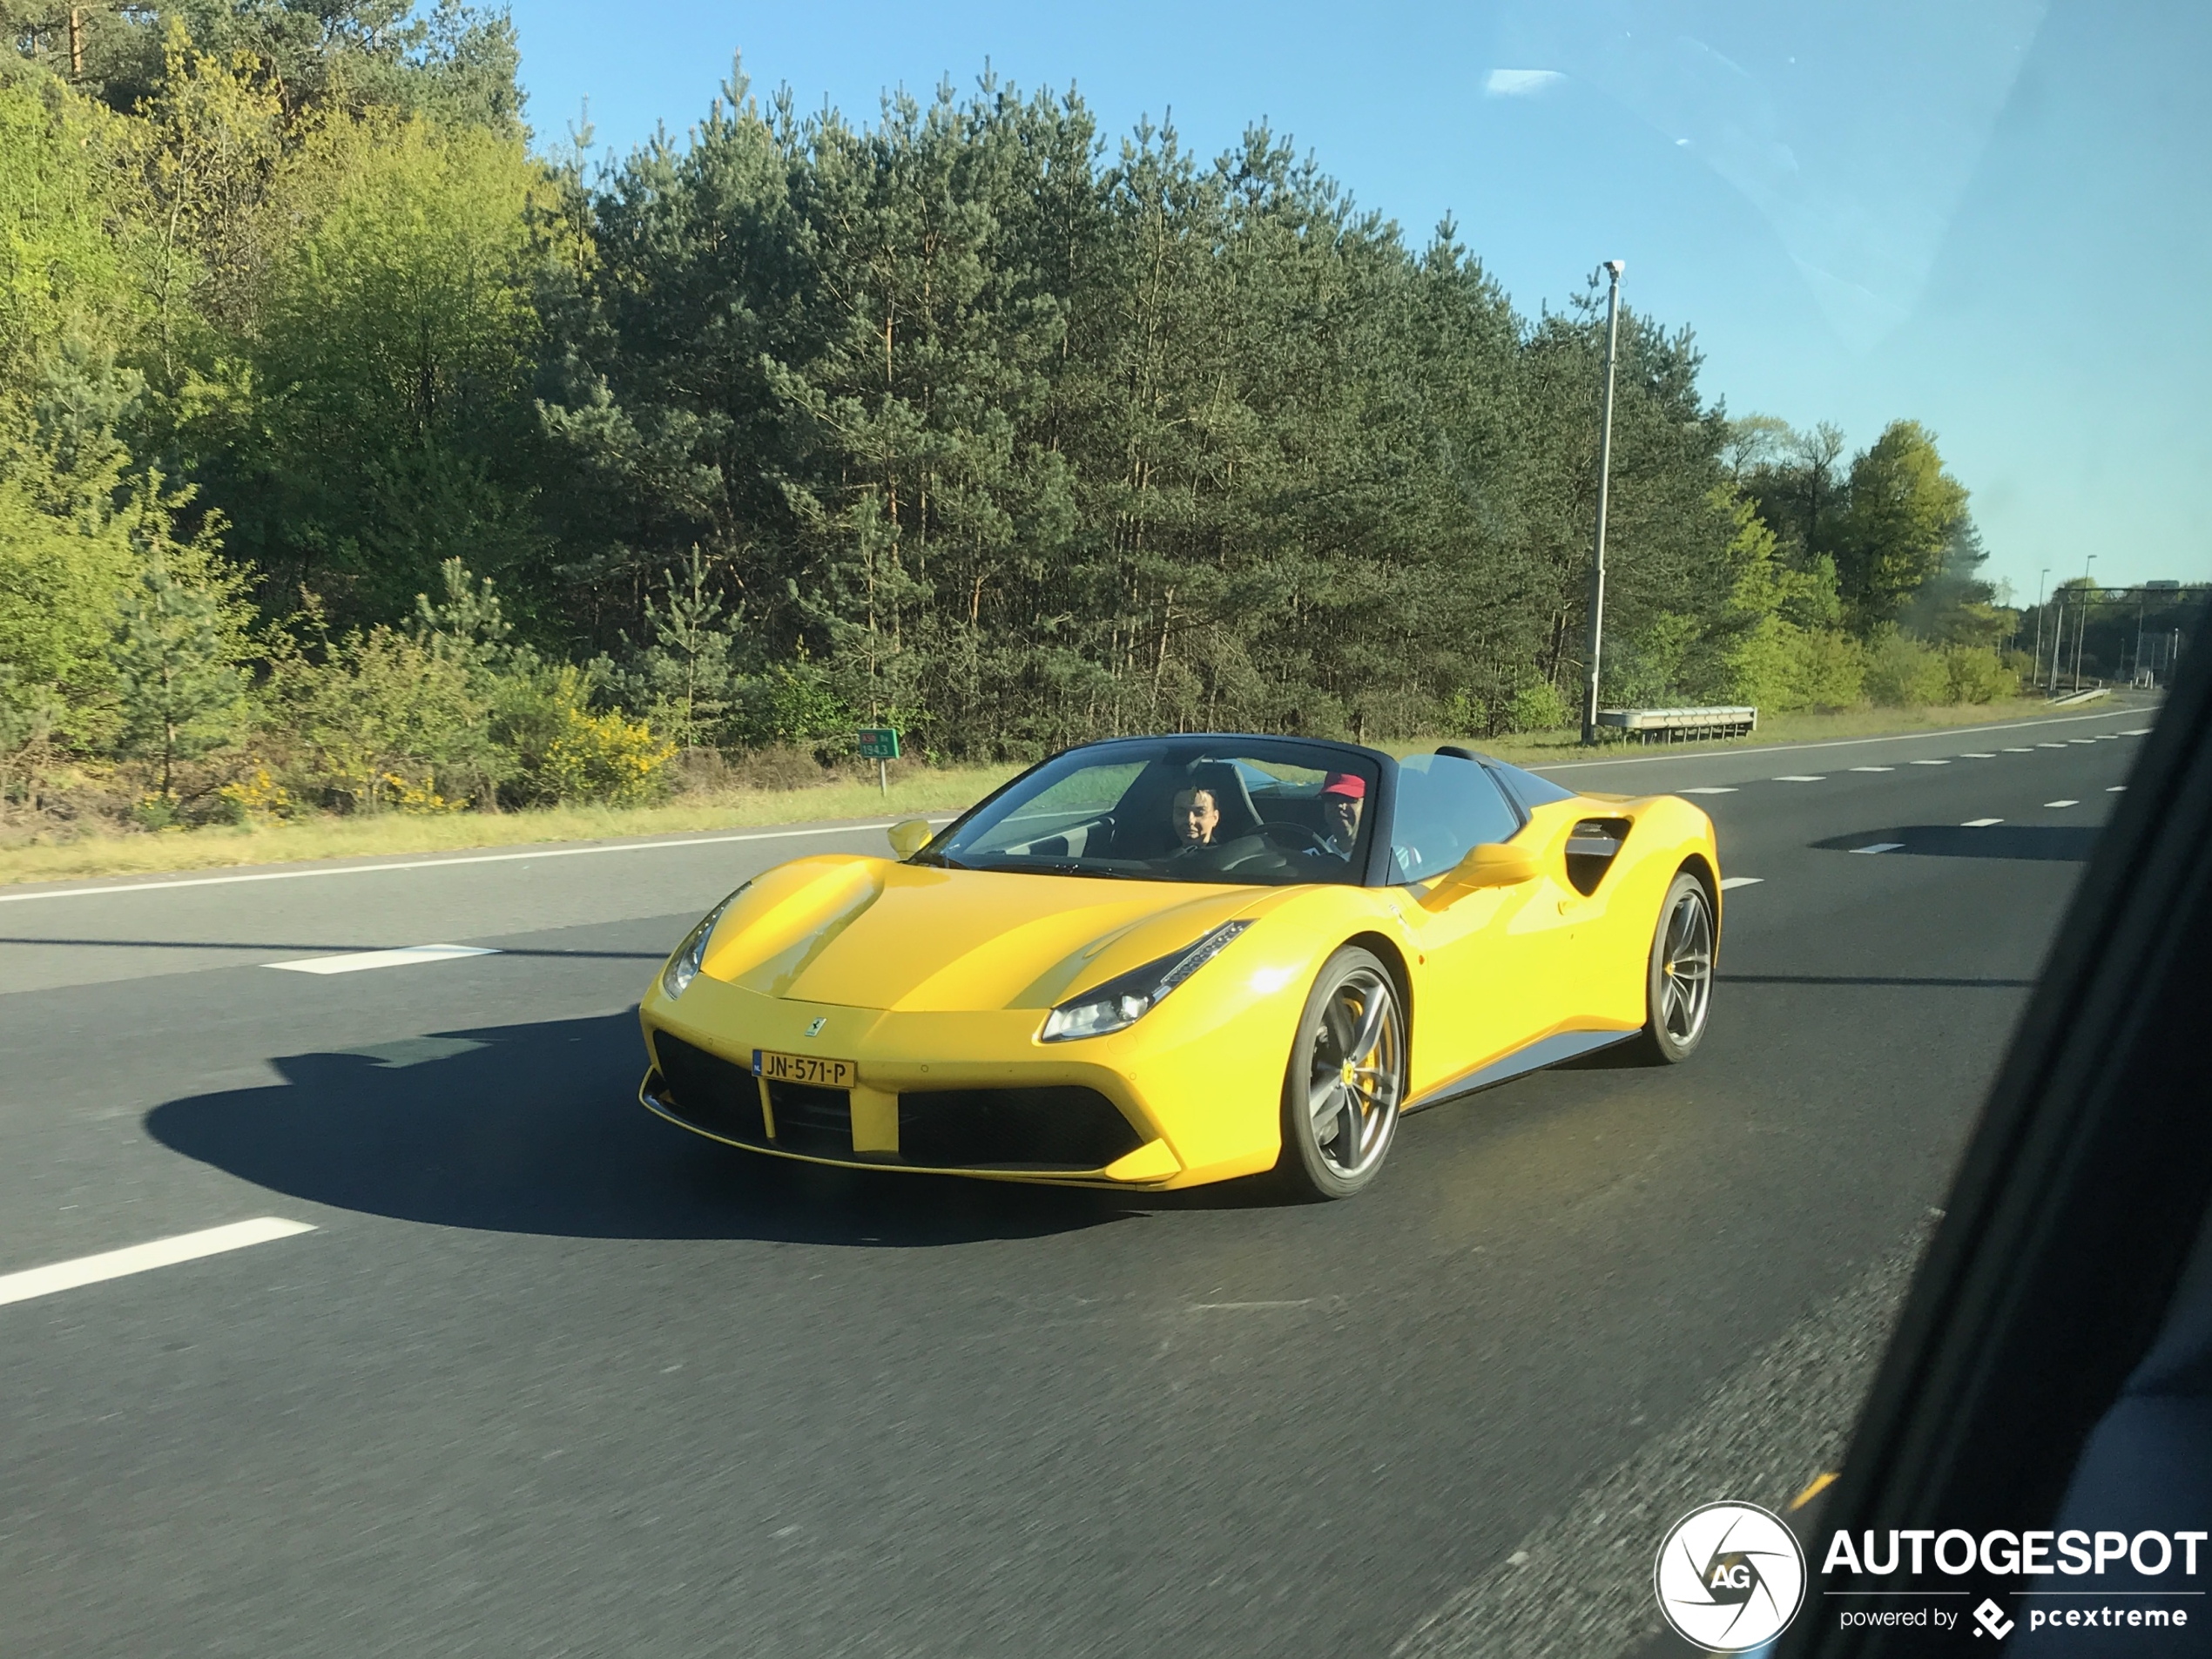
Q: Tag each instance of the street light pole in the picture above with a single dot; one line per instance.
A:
(2039, 581)
(2058, 644)
(1614, 267)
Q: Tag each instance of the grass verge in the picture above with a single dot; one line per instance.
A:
(919, 792)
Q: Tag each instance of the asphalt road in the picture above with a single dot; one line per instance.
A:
(552, 1377)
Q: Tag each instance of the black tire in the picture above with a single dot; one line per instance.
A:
(1678, 978)
(1335, 1153)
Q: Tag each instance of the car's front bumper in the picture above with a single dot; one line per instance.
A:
(1176, 1100)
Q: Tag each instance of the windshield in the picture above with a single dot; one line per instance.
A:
(1208, 809)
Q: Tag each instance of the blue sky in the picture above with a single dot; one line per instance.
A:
(1992, 216)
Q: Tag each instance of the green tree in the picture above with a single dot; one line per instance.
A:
(688, 671)
(178, 641)
(1904, 512)
(396, 346)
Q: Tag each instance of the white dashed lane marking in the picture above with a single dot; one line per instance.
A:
(1798, 777)
(2050, 745)
(1873, 768)
(1731, 882)
(354, 961)
(138, 1259)
(1980, 823)
(2062, 803)
(1709, 789)
(1932, 763)
(1879, 847)
(1978, 754)
(2114, 789)
(2011, 751)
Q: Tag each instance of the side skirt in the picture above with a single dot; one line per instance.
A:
(1544, 1051)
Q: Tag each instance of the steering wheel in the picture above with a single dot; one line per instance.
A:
(1294, 838)
(1250, 852)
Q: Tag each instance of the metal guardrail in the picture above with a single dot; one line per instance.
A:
(1672, 725)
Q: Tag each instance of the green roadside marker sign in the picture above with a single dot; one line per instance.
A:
(878, 743)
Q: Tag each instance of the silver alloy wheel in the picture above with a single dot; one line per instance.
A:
(1356, 1072)
(1686, 967)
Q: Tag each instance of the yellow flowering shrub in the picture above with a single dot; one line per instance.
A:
(606, 757)
(257, 797)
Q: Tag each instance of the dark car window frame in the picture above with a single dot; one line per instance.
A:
(2079, 1201)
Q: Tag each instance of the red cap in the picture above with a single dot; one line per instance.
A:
(1350, 784)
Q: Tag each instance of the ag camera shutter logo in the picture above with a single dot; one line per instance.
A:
(1729, 1577)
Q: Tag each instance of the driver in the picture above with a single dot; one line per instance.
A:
(1194, 817)
(1343, 797)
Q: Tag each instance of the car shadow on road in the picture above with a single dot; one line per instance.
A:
(537, 1129)
(2069, 843)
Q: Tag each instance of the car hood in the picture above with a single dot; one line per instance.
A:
(873, 934)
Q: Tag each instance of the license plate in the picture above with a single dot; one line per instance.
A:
(804, 1068)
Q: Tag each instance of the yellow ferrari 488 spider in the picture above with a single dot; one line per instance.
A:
(1158, 961)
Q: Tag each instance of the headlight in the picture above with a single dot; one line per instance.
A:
(1127, 998)
(683, 967)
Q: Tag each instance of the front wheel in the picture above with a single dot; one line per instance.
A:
(1678, 984)
(1346, 1079)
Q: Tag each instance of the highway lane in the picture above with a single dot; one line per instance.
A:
(551, 1376)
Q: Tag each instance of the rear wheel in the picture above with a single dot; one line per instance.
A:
(1678, 986)
(1346, 1079)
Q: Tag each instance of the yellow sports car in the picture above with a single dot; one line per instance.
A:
(1158, 961)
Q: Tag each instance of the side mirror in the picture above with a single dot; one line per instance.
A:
(1491, 865)
(910, 836)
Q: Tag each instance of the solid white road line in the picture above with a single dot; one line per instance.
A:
(2062, 803)
(355, 961)
(163, 1252)
(1873, 768)
(1980, 823)
(1729, 883)
(547, 851)
(1798, 777)
(1879, 847)
(1709, 789)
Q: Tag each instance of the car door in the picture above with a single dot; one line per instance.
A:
(1480, 956)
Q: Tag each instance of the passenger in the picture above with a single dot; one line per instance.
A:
(1342, 798)
(1195, 817)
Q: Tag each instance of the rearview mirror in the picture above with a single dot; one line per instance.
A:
(1491, 865)
(910, 836)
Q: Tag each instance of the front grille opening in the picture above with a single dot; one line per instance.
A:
(1591, 846)
(1058, 1128)
(811, 1119)
(719, 1096)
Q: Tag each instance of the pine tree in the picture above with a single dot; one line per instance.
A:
(687, 670)
(175, 673)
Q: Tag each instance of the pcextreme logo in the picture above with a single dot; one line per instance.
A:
(1729, 1577)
